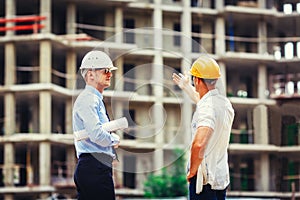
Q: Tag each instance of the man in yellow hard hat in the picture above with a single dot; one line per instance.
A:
(208, 173)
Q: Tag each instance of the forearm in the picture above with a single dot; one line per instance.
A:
(195, 161)
(183, 82)
(199, 144)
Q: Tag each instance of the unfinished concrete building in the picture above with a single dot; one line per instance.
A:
(257, 44)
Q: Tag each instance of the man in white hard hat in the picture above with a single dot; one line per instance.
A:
(96, 151)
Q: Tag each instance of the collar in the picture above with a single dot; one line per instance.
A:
(94, 91)
(210, 93)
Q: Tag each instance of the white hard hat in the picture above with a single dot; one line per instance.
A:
(96, 60)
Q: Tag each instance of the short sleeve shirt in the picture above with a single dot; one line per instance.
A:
(215, 111)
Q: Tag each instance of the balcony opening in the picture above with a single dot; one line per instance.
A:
(241, 173)
(177, 38)
(27, 114)
(1, 116)
(1, 164)
(2, 72)
(129, 173)
(89, 23)
(130, 115)
(58, 20)
(26, 165)
(58, 115)
(27, 8)
(290, 169)
(2, 13)
(129, 35)
(59, 76)
(27, 64)
(290, 132)
(59, 172)
(242, 129)
(129, 77)
(298, 48)
(196, 40)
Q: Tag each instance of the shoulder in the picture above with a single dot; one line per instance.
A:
(86, 98)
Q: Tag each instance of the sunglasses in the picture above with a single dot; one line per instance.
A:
(106, 70)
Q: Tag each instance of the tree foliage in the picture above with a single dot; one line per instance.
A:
(171, 182)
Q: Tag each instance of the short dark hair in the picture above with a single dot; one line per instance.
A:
(210, 81)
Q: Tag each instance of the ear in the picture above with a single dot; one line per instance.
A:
(197, 80)
(90, 75)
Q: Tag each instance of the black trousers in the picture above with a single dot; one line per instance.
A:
(207, 193)
(93, 178)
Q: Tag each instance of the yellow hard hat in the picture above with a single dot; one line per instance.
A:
(205, 67)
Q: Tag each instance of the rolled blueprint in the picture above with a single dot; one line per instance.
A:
(111, 126)
(115, 125)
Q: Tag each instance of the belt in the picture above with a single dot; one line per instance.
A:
(102, 157)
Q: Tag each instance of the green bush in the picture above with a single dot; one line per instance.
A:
(171, 182)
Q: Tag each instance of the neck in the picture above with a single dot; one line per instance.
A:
(203, 91)
(95, 85)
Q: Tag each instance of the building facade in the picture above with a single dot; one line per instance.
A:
(42, 42)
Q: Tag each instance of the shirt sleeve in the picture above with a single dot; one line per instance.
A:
(206, 116)
(93, 125)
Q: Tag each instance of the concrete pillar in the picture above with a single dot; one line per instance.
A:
(70, 84)
(10, 114)
(9, 111)
(186, 21)
(118, 79)
(220, 46)
(157, 88)
(261, 3)
(223, 77)
(45, 107)
(45, 62)
(71, 18)
(10, 12)
(71, 161)
(10, 64)
(9, 161)
(119, 25)
(44, 162)
(262, 171)
(262, 81)
(45, 10)
(118, 169)
(262, 37)
(9, 98)
(219, 4)
(109, 23)
(260, 124)
(186, 62)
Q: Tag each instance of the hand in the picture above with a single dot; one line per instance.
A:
(183, 82)
(116, 146)
(189, 176)
(117, 138)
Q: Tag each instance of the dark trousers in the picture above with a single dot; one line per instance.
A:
(93, 179)
(207, 193)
